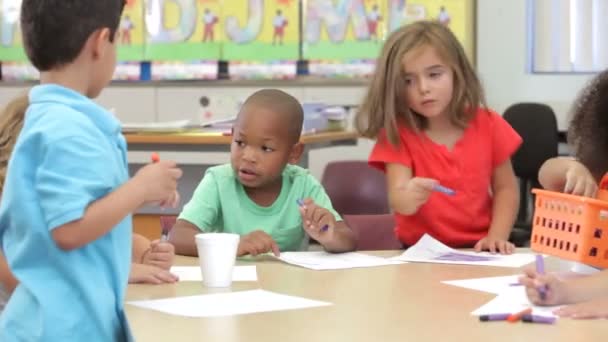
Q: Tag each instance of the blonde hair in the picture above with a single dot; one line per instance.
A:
(385, 105)
(11, 123)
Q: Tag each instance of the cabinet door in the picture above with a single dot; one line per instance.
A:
(130, 104)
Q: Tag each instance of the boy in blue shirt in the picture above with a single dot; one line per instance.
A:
(65, 223)
(260, 195)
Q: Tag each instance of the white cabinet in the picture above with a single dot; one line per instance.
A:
(131, 104)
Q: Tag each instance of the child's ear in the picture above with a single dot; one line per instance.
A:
(99, 39)
(296, 153)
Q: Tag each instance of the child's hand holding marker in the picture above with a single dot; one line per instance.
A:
(536, 283)
(417, 191)
(157, 182)
(175, 173)
(318, 222)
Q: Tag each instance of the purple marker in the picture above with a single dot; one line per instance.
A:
(538, 319)
(494, 317)
(540, 269)
(443, 189)
(301, 204)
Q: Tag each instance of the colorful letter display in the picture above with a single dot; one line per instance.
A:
(261, 30)
(184, 30)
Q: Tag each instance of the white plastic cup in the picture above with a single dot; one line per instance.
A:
(216, 256)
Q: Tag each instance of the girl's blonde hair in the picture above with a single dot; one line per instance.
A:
(11, 123)
(385, 105)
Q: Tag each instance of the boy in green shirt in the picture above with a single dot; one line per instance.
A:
(256, 195)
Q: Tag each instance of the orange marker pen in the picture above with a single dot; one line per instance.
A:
(513, 318)
(155, 157)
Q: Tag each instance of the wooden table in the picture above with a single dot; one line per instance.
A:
(390, 303)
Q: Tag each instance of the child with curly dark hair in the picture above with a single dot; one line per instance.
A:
(588, 136)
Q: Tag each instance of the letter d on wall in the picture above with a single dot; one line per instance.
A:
(157, 13)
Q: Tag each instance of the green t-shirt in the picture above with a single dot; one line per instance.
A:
(220, 204)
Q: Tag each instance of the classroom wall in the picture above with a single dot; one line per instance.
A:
(501, 61)
(502, 39)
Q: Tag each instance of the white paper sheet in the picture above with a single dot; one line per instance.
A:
(331, 261)
(193, 273)
(428, 249)
(494, 285)
(165, 126)
(513, 300)
(228, 304)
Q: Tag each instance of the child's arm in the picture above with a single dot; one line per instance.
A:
(567, 175)
(321, 225)
(141, 245)
(406, 193)
(572, 290)
(6, 276)
(182, 237)
(153, 183)
(504, 210)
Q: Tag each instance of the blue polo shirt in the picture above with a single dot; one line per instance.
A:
(70, 153)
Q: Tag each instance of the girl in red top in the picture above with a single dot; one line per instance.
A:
(426, 108)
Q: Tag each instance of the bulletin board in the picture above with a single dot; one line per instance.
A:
(11, 46)
(458, 15)
(258, 30)
(355, 29)
(130, 33)
(183, 30)
(343, 29)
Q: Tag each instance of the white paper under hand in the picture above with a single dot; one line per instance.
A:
(428, 249)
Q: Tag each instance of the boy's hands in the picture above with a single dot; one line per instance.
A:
(158, 182)
(579, 181)
(555, 289)
(148, 274)
(257, 242)
(494, 245)
(318, 222)
(160, 254)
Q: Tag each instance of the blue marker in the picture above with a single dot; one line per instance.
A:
(301, 204)
(441, 188)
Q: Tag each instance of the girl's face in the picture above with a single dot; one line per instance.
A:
(429, 83)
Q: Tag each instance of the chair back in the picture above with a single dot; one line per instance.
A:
(355, 188)
(374, 232)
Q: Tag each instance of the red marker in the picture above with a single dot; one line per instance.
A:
(155, 157)
(515, 317)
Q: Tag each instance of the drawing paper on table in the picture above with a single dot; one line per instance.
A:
(494, 285)
(334, 261)
(513, 300)
(228, 304)
(428, 249)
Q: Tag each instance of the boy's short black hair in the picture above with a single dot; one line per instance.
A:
(55, 31)
(283, 103)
